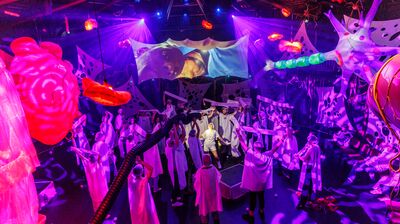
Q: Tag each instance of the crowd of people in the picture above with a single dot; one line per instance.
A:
(201, 147)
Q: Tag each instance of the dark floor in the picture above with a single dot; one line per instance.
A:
(73, 203)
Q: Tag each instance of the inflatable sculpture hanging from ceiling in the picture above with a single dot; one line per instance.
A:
(48, 89)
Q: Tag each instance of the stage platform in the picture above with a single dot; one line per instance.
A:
(230, 182)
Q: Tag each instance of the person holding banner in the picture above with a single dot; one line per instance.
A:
(102, 149)
(310, 155)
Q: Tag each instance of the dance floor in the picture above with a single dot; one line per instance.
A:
(73, 204)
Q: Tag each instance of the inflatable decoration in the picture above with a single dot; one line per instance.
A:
(275, 37)
(48, 89)
(384, 96)
(291, 47)
(104, 94)
(355, 51)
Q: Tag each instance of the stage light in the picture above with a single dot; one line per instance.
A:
(67, 30)
(11, 13)
(185, 14)
(141, 21)
(158, 13)
(206, 24)
(275, 36)
(233, 16)
(218, 10)
(286, 12)
(90, 24)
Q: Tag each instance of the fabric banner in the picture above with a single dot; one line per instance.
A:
(331, 109)
(235, 90)
(189, 59)
(378, 129)
(89, 66)
(138, 101)
(194, 93)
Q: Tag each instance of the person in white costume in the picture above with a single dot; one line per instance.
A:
(142, 207)
(208, 192)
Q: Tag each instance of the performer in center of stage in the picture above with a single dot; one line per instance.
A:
(142, 207)
(210, 137)
(310, 171)
(208, 193)
(257, 173)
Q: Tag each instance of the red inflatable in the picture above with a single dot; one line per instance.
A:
(104, 94)
(48, 90)
(385, 92)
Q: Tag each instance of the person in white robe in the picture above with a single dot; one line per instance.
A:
(123, 136)
(152, 157)
(310, 155)
(105, 153)
(177, 165)
(119, 120)
(195, 148)
(107, 129)
(169, 109)
(95, 175)
(80, 140)
(235, 143)
(290, 148)
(136, 134)
(141, 203)
(257, 174)
(208, 192)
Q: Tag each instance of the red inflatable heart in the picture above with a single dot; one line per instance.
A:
(49, 91)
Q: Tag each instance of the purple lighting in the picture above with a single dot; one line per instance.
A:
(233, 16)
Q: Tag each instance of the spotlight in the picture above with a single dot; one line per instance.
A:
(158, 13)
(141, 21)
(218, 9)
(90, 24)
(206, 24)
(233, 16)
(185, 14)
(286, 12)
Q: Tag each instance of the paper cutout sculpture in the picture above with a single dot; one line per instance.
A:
(104, 94)
(48, 90)
(194, 93)
(89, 66)
(355, 52)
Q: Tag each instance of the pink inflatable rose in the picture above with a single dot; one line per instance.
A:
(48, 90)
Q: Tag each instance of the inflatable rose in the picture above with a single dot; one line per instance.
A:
(48, 90)
(385, 92)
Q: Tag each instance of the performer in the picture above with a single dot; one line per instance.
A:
(290, 148)
(107, 129)
(136, 134)
(80, 141)
(18, 160)
(169, 108)
(123, 136)
(235, 143)
(257, 174)
(195, 148)
(210, 137)
(152, 157)
(102, 149)
(310, 155)
(225, 131)
(142, 207)
(208, 193)
(95, 175)
(261, 123)
(119, 119)
(177, 165)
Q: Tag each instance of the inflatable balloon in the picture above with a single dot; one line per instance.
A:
(384, 93)
(104, 94)
(48, 89)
